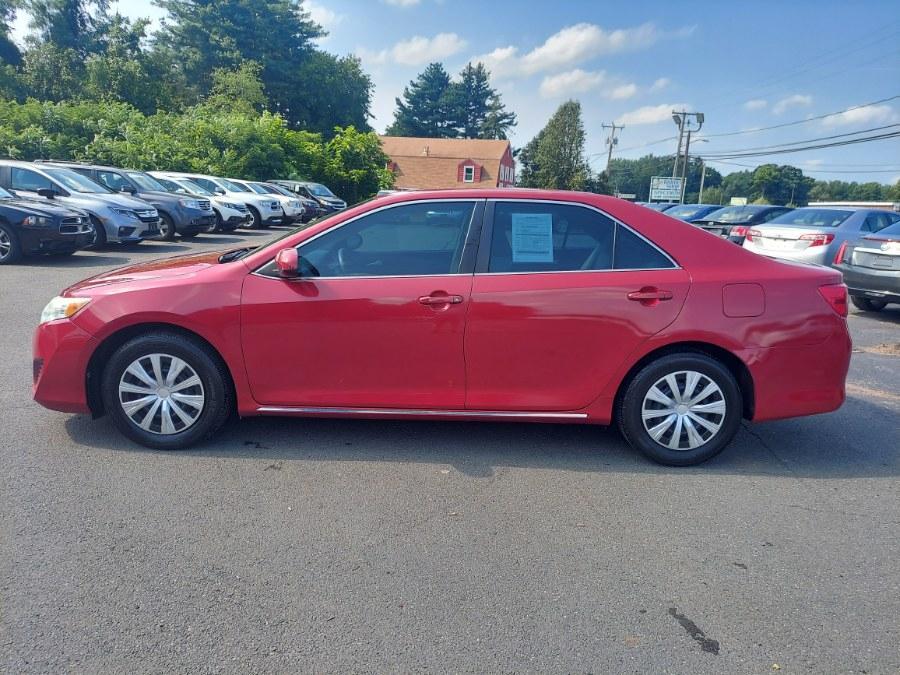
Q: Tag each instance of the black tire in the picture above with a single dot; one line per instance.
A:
(218, 226)
(256, 223)
(99, 240)
(10, 247)
(629, 411)
(218, 398)
(867, 304)
(166, 227)
(190, 234)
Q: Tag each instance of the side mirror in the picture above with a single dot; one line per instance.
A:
(127, 188)
(49, 193)
(288, 263)
(219, 191)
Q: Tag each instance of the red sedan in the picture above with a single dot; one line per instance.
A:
(515, 305)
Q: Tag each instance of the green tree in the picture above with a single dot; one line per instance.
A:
(337, 93)
(555, 156)
(9, 51)
(476, 109)
(239, 90)
(52, 73)
(424, 109)
(74, 25)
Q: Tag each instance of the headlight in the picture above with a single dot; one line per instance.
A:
(189, 203)
(125, 212)
(295, 205)
(62, 308)
(229, 205)
(37, 221)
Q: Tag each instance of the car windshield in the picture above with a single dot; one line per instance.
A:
(731, 214)
(686, 211)
(4, 194)
(282, 191)
(145, 182)
(194, 188)
(319, 190)
(812, 217)
(233, 187)
(258, 189)
(75, 181)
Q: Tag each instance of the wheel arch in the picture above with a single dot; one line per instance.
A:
(735, 365)
(101, 355)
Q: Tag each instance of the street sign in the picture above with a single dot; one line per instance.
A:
(739, 201)
(665, 189)
(624, 195)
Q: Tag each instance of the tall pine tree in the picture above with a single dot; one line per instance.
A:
(424, 109)
(555, 159)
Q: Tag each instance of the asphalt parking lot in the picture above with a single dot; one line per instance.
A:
(292, 545)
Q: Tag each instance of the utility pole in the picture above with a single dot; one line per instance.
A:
(681, 119)
(611, 141)
(702, 181)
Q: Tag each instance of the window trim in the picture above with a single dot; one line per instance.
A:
(467, 259)
(467, 168)
(482, 266)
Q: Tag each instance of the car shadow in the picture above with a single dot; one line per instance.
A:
(848, 443)
(890, 314)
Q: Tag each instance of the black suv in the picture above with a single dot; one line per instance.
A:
(185, 214)
(29, 227)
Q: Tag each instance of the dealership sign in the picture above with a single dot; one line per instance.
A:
(665, 189)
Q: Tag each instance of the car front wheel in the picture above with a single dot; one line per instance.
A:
(681, 409)
(166, 391)
(166, 227)
(10, 250)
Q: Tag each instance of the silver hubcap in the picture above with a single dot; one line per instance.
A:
(161, 394)
(5, 244)
(683, 410)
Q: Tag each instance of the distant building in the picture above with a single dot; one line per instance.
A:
(442, 163)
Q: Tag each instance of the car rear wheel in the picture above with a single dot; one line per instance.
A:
(10, 249)
(681, 409)
(166, 391)
(166, 227)
(867, 304)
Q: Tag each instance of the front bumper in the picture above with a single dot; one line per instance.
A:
(48, 241)
(61, 354)
(273, 219)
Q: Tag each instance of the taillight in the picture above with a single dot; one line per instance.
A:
(839, 258)
(817, 239)
(753, 233)
(739, 231)
(836, 296)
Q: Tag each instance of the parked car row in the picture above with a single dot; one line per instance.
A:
(54, 207)
(863, 243)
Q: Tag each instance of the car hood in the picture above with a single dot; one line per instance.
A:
(165, 268)
(41, 208)
(114, 199)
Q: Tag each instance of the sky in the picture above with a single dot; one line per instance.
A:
(745, 65)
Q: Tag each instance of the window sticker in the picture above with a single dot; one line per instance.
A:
(532, 237)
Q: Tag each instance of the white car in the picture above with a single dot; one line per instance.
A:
(264, 210)
(293, 209)
(230, 214)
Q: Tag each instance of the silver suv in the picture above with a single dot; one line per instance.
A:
(116, 217)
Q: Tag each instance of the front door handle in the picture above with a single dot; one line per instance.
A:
(442, 299)
(650, 295)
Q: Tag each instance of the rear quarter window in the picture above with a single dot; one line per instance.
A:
(634, 253)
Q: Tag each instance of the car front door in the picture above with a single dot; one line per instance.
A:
(377, 317)
(562, 294)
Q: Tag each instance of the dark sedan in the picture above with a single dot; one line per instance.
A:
(659, 206)
(733, 222)
(691, 212)
(30, 227)
(871, 269)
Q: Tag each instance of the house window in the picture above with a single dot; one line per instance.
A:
(468, 174)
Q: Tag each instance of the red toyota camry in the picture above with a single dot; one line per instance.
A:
(519, 305)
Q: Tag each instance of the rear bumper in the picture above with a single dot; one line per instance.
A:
(871, 283)
(815, 255)
(61, 353)
(798, 381)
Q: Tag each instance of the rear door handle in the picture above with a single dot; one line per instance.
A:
(650, 295)
(441, 299)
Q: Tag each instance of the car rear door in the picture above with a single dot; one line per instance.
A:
(562, 294)
(378, 318)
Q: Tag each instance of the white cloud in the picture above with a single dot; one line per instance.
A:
(660, 84)
(402, 3)
(571, 82)
(871, 114)
(623, 92)
(756, 104)
(651, 114)
(322, 15)
(572, 45)
(793, 101)
(417, 50)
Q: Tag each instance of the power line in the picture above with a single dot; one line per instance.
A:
(809, 140)
(753, 166)
(835, 144)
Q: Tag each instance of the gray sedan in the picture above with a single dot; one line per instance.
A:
(871, 269)
(814, 234)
